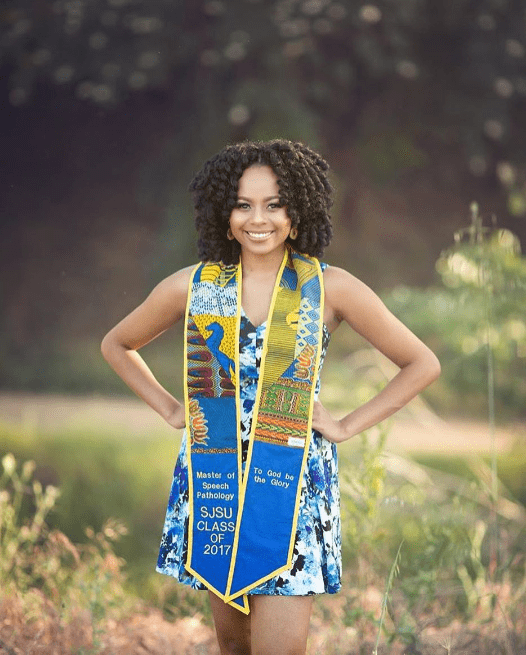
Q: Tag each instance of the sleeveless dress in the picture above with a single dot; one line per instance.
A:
(316, 564)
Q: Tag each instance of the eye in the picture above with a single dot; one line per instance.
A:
(274, 205)
(242, 205)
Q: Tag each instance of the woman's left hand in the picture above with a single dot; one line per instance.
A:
(329, 427)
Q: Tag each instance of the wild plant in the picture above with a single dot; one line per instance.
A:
(486, 268)
(364, 547)
(43, 568)
(18, 541)
(393, 572)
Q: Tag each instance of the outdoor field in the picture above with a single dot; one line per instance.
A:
(110, 108)
(424, 489)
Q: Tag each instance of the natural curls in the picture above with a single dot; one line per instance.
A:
(304, 189)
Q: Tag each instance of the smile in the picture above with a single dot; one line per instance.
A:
(259, 235)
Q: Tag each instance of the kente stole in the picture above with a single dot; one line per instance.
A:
(242, 524)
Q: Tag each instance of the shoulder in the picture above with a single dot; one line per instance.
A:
(341, 287)
(176, 283)
(333, 277)
(163, 307)
(348, 298)
(171, 293)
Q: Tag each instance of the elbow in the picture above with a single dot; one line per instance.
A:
(107, 346)
(112, 347)
(433, 367)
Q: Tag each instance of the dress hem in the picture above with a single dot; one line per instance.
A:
(200, 587)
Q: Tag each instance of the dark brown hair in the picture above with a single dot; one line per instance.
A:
(304, 189)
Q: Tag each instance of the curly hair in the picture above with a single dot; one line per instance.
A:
(304, 189)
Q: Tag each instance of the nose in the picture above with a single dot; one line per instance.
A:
(259, 215)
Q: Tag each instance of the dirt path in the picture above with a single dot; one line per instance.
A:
(415, 429)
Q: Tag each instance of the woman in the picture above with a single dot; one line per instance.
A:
(254, 511)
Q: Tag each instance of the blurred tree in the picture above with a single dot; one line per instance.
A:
(417, 105)
(474, 321)
(458, 68)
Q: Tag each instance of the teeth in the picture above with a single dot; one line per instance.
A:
(259, 235)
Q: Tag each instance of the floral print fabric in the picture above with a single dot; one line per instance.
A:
(316, 564)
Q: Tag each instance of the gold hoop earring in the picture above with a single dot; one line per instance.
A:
(294, 233)
(229, 235)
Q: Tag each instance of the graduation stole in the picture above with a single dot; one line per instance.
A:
(242, 524)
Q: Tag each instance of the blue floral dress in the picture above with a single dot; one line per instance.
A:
(316, 564)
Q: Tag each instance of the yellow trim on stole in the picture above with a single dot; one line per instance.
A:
(309, 419)
(187, 423)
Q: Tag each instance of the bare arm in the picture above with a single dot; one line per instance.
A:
(350, 300)
(165, 305)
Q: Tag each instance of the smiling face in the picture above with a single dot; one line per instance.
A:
(258, 222)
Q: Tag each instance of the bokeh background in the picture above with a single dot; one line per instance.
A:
(108, 109)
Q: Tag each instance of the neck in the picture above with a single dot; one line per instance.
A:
(261, 265)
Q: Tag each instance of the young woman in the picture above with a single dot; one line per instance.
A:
(253, 514)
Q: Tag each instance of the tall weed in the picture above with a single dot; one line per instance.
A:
(43, 568)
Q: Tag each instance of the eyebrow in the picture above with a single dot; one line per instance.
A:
(264, 199)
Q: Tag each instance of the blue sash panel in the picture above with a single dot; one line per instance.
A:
(268, 514)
